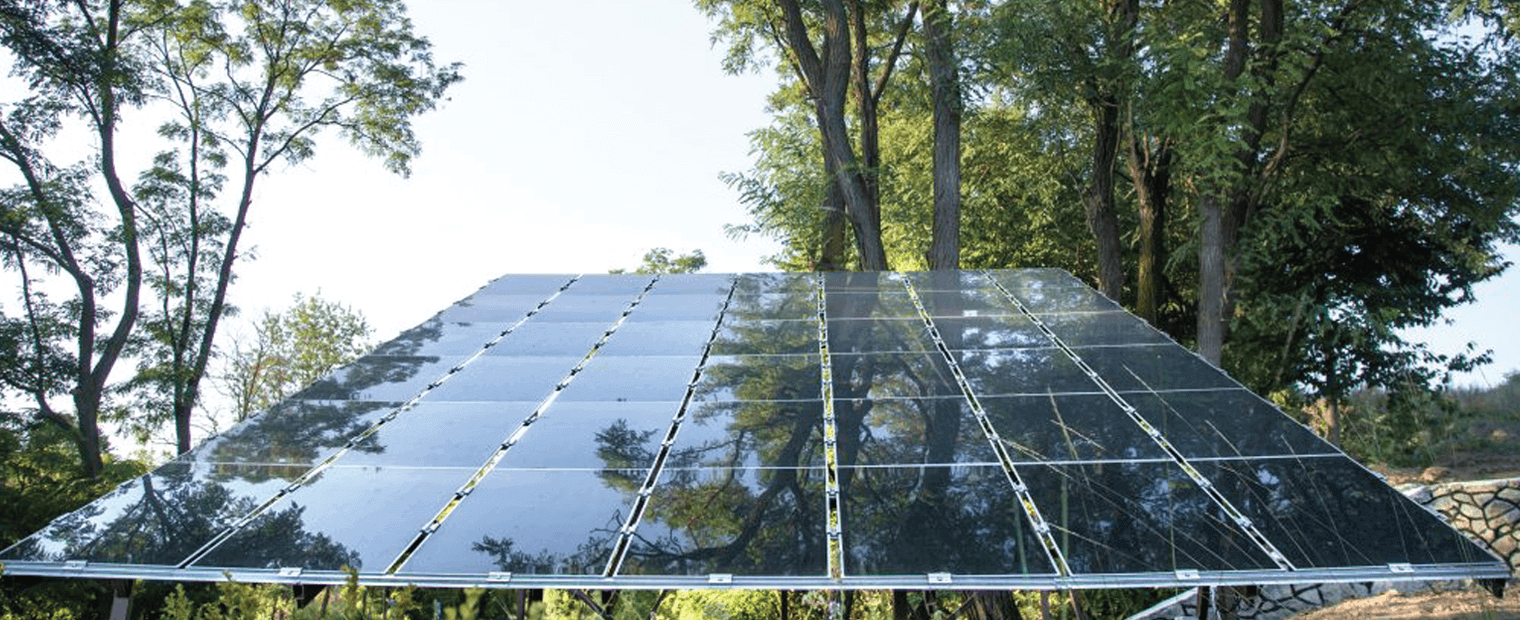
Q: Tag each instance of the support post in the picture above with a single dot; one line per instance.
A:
(590, 604)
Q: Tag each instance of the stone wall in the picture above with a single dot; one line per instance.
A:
(1488, 511)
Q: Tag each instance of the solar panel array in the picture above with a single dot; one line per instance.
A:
(990, 429)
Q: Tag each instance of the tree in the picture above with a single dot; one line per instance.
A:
(247, 85)
(290, 350)
(945, 84)
(663, 260)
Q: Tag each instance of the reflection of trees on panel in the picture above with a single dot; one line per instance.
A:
(164, 517)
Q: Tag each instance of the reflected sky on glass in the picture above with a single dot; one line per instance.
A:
(293, 432)
(440, 434)
(540, 522)
(505, 379)
(316, 528)
(593, 435)
(381, 378)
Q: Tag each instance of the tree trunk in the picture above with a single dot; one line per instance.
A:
(1102, 219)
(831, 256)
(1107, 88)
(944, 79)
(1211, 281)
(828, 82)
(1150, 173)
(1214, 237)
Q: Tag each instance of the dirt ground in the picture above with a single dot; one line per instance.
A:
(1474, 603)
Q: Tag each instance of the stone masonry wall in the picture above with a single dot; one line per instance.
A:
(1487, 511)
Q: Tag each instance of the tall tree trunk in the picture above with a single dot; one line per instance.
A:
(831, 255)
(944, 78)
(1150, 173)
(1102, 218)
(828, 82)
(1108, 91)
(1214, 236)
(1211, 281)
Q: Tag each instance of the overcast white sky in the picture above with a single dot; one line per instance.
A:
(580, 138)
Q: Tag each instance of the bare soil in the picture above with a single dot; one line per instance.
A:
(1473, 603)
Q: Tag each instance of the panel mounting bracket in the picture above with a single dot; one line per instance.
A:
(940, 578)
(720, 578)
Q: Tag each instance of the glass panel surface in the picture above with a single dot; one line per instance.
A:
(862, 281)
(1064, 299)
(538, 522)
(1225, 423)
(734, 521)
(897, 431)
(1328, 511)
(946, 280)
(973, 302)
(694, 283)
(918, 520)
(641, 378)
(892, 375)
(294, 432)
(659, 338)
(593, 435)
(760, 377)
(865, 305)
(773, 306)
(1136, 518)
(754, 283)
(628, 285)
(540, 285)
(879, 335)
(442, 339)
(550, 339)
(990, 332)
(1035, 279)
(1153, 367)
(381, 377)
(316, 526)
(1067, 427)
(1022, 371)
(571, 307)
(678, 308)
(499, 309)
(750, 433)
(505, 379)
(440, 435)
(160, 518)
(1102, 328)
(766, 337)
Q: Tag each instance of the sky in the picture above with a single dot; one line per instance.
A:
(584, 134)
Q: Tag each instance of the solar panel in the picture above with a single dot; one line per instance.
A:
(966, 429)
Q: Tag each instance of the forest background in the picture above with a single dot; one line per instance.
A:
(1289, 187)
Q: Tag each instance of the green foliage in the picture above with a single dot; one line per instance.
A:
(39, 480)
(665, 261)
(291, 349)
